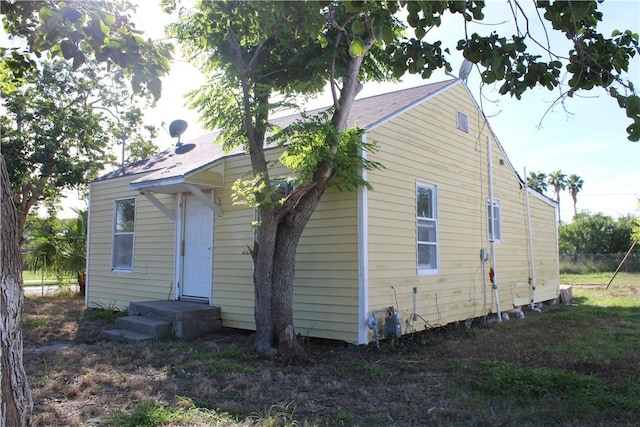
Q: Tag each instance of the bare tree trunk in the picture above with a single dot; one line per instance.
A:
(274, 270)
(15, 399)
(262, 277)
(289, 233)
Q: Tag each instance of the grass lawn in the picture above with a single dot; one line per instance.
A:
(34, 278)
(624, 290)
(573, 365)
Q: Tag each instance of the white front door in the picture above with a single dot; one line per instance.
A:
(197, 252)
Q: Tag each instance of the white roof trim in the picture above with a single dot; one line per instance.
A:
(542, 197)
(143, 185)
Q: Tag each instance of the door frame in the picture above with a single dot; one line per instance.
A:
(181, 217)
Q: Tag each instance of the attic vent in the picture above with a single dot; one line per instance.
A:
(462, 121)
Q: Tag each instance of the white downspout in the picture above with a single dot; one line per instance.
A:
(177, 279)
(88, 258)
(532, 278)
(492, 240)
(363, 256)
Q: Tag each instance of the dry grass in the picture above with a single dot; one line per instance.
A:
(568, 366)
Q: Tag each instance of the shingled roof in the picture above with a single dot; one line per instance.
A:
(201, 152)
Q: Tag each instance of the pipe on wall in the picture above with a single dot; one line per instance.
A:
(492, 239)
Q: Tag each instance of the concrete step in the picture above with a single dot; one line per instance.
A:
(174, 310)
(126, 336)
(188, 319)
(193, 328)
(158, 328)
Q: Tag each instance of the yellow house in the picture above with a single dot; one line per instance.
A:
(449, 231)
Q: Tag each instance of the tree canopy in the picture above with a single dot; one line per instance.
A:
(59, 130)
(596, 234)
(79, 31)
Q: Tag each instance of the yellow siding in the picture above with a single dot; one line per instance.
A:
(153, 258)
(326, 280)
(423, 144)
(232, 266)
(326, 292)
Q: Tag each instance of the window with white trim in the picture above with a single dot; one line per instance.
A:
(427, 228)
(494, 221)
(123, 234)
(462, 121)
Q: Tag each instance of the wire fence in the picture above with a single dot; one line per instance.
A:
(598, 263)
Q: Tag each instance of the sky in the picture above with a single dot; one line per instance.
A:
(586, 136)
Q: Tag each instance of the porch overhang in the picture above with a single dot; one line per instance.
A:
(194, 182)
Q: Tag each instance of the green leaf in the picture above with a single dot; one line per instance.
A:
(322, 40)
(358, 27)
(155, 87)
(634, 132)
(633, 106)
(377, 32)
(356, 48)
(109, 19)
(353, 6)
(68, 49)
(413, 19)
(387, 34)
(71, 14)
(78, 60)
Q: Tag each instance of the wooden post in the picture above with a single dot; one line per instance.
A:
(622, 262)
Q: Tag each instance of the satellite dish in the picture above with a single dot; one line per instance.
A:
(177, 128)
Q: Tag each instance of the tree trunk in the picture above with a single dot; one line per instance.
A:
(274, 270)
(262, 278)
(15, 399)
(289, 232)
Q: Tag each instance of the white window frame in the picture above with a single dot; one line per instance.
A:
(116, 233)
(494, 216)
(462, 121)
(422, 269)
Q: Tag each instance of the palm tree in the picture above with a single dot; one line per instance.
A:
(558, 181)
(44, 246)
(574, 184)
(537, 181)
(59, 247)
(75, 235)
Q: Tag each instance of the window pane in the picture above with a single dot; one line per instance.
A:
(123, 251)
(496, 221)
(426, 231)
(125, 212)
(462, 122)
(494, 228)
(425, 202)
(427, 258)
(490, 220)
